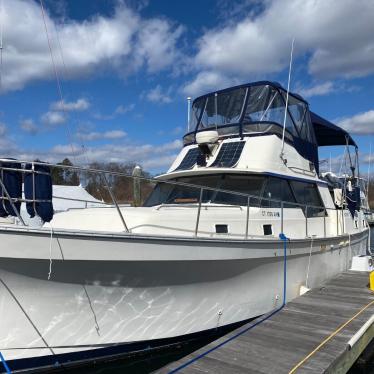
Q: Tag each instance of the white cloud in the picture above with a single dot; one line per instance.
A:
(157, 95)
(366, 158)
(317, 90)
(7, 145)
(361, 124)
(151, 157)
(64, 150)
(156, 44)
(73, 106)
(3, 129)
(111, 135)
(123, 42)
(207, 81)
(51, 118)
(334, 38)
(120, 110)
(29, 126)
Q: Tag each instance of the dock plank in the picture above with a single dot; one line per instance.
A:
(281, 342)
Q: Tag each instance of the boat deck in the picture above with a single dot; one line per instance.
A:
(292, 340)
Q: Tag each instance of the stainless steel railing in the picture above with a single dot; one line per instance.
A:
(103, 175)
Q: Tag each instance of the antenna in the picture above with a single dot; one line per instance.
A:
(188, 113)
(330, 162)
(367, 190)
(1, 44)
(216, 109)
(286, 109)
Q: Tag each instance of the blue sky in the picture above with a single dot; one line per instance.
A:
(126, 67)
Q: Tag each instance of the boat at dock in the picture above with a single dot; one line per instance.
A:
(204, 250)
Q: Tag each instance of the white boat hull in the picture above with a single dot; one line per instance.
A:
(102, 292)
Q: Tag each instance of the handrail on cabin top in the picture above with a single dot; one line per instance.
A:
(103, 174)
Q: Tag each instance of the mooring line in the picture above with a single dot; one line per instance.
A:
(2, 359)
(293, 370)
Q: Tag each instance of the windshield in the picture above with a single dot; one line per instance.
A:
(165, 193)
(265, 191)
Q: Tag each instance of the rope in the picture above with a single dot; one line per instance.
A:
(64, 78)
(310, 255)
(59, 90)
(2, 359)
(50, 253)
(284, 239)
(293, 370)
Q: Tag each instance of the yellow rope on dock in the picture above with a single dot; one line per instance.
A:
(293, 370)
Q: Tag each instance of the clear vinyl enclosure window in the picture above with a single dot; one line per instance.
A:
(222, 108)
(253, 105)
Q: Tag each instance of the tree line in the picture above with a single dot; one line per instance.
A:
(121, 187)
(125, 189)
(371, 194)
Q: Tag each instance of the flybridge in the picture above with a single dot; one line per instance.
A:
(259, 108)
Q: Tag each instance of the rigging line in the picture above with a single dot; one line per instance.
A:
(350, 158)
(1, 44)
(286, 108)
(39, 333)
(64, 76)
(342, 161)
(59, 89)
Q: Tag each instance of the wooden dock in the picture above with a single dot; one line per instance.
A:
(309, 335)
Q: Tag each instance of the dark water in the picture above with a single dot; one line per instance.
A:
(151, 361)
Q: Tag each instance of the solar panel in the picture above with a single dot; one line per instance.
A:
(190, 159)
(228, 155)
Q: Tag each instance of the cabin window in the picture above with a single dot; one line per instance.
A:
(267, 229)
(261, 187)
(278, 189)
(166, 193)
(307, 194)
(246, 184)
(222, 229)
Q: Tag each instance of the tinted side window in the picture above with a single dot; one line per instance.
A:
(307, 193)
(277, 189)
(250, 185)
